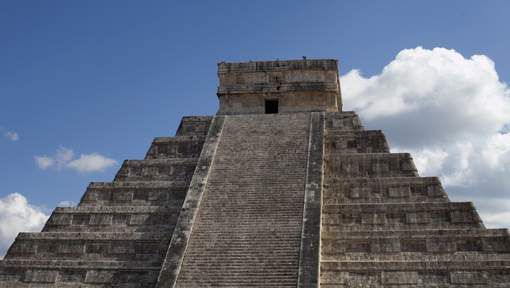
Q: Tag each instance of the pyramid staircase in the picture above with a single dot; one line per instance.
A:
(248, 229)
(118, 234)
(384, 226)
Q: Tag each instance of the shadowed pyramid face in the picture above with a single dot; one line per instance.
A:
(278, 87)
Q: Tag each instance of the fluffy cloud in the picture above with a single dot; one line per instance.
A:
(13, 136)
(60, 160)
(64, 158)
(66, 203)
(17, 215)
(451, 113)
(91, 162)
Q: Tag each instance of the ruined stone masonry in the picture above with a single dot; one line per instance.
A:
(280, 189)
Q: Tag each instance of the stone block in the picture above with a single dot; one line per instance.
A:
(100, 248)
(367, 279)
(462, 217)
(380, 167)
(22, 247)
(73, 276)
(496, 244)
(122, 248)
(101, 219)
(468, 277)
(360, 192)
(60, 219)
(385, 245)
(373, 218)
(399, 191)
(81, 219)
(417, 218)
(357, 246)
(413, 245)
(441, 245)
(40, 276)
(99, 276)
(400, 277)
(71, 248)
(124, 196)
(139, 219)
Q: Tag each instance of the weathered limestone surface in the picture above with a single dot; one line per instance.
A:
(248, 230)
(308, 85)
(383, 226)
(119, 233)
(303, 198)
(181, 234)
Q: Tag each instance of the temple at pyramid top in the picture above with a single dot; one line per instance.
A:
(258, 87)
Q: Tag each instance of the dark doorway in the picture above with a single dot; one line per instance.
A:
(271, 106)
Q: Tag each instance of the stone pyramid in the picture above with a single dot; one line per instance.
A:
(280, 189)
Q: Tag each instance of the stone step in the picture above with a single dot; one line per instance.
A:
(383, 190)
(270, 275)
(415, 273)
(367, 141)
(71, 273)
(370, 165)
(407, 216)
(176, 147)
(194, 126)
(149, 247)
(112, 219)
(171, 169)
(424, 245)
(138, 193)
(421, 233)
(342, 121)
(255, 281)
(257, 155)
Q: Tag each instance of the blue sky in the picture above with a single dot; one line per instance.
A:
(106, 77)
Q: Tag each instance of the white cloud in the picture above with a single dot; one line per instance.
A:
(61, 158)
(64, 158)
(450, 112)
(44, 162)
(66, 203)
(17, 215)
(91, 162)
(13, 136)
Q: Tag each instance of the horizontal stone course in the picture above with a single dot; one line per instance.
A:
(139, 193)
(384, 190)
(371, 165)
(171, 169)
(341, 122)
(194, 126)
(371, 141)
(175, 147)
(111, 219)
(417, 245)
(37, 273)
(399, 216)
(91, 246)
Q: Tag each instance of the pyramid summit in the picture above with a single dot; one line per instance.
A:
(281, 188)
